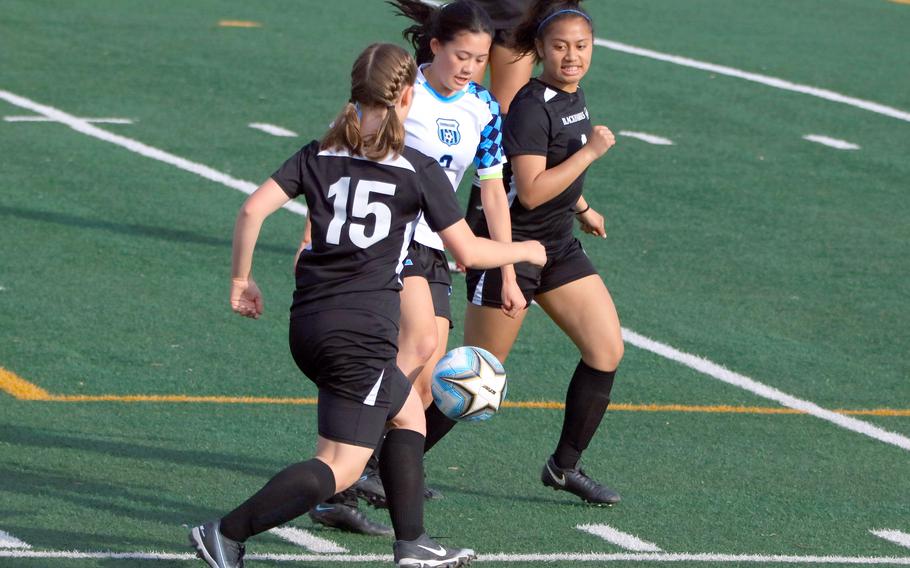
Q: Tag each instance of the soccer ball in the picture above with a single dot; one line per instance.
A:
(469, 384)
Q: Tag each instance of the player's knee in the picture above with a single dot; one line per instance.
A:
(424, 346)
(605, 357)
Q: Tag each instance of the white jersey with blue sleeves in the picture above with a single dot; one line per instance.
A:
(459, 131)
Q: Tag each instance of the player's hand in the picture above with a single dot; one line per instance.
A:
(592, 222)
(513, 301)
(246, 299)
(537, 255)
(601, 140)
(459, 267)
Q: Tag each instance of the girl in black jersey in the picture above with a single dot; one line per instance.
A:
(550, 142)
(364, 189)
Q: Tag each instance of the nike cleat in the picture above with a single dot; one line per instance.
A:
(425, 552)
(217, 550)
(577, 481)
(347, 518)
(369, 488)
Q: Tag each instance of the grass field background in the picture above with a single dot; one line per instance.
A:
(780, 259)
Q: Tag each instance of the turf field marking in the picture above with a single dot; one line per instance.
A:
(645, 137)
(46, 119)
(756, 78)
(897, 537)
(307, 540)
(19, 388)
(9, 541)
(718, 372)
(238, 24)
(832, 142)
(81, 126)
(619, 538)
(504, 557)
(272, 129)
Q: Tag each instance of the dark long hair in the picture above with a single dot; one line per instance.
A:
(541, 16)
(379, 74)
(442, 23)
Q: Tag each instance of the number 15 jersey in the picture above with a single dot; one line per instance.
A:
(458, 131)
(363, 213)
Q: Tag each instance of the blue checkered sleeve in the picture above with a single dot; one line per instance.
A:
(489, 158)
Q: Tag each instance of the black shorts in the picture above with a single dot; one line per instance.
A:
(566, 262)
(506, 16)
(433, 266)
(349, 353)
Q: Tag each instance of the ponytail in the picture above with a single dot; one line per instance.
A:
(443, 23)
(380, 74)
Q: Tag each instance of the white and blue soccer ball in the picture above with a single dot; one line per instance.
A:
(469, 384)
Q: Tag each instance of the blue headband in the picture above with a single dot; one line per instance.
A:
(546, 20)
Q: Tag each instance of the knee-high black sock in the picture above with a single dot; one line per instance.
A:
(291, 493)
(438, 425)
(586, 402)
(373, 462)
(401, 469)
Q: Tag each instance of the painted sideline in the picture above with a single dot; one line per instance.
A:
(722, 374)
(80, 125)
(692, 361)
(504, 557)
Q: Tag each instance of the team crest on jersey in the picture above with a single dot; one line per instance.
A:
(448, 131)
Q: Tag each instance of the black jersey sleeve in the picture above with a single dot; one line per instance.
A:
(437, 200)
(526, 129)
(289, 176)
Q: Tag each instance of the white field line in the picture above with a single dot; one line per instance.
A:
(645, 137)
(504, 557)
(84, 127)
(9, 541)
(757, 78)
(697, 363)
(832, 142)
(309, 541)
(46, 119)
(619, 538)
(272, 129)
(747, 76)
(722, 374)
(897, 537)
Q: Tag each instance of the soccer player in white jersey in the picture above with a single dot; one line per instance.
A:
(365, 189)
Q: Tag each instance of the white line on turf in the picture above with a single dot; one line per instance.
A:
(767, 80)
(504, 557)
(645, 137)
(9, 541)
(619, 538)
(272, 129)
(693, 361)
(832, 142)
(897, 537)
(46, 119)
(757, 78)
(718, 372)
(84, 127)
(307, 540)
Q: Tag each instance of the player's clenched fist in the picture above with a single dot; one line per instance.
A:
(601, 140)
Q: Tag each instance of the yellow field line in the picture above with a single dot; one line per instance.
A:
(19, 388)
(238, 24)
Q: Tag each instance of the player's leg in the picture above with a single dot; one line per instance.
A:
(401, 467)
(418, 335)
(508, 74)
(584, 310)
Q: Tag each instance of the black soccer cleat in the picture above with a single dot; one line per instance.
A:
(577, 481)
(214, 548)
(424, 552)
(431, 494)
(348, 519)
(369, 488)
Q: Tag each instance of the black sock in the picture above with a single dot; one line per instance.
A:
(291, 493)
(401, 469)
(474, 212)
(438, 425)
(586, 401)
(373, 462)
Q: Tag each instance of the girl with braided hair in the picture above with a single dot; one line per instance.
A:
(364, 189)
